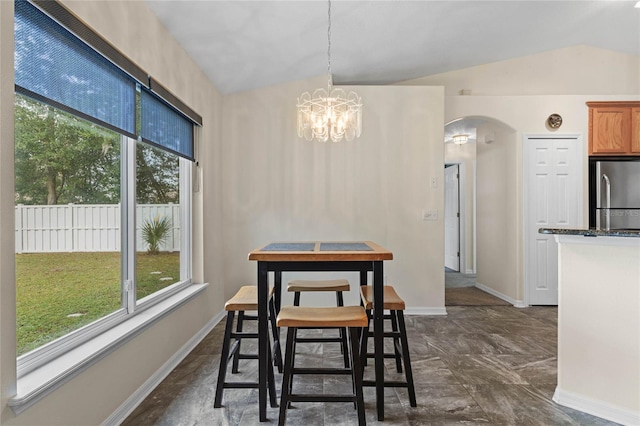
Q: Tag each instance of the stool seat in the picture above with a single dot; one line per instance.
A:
(392, 301)
(329, 317)
(246, 299)
(318, 285)
(348, 318)
(395, 305)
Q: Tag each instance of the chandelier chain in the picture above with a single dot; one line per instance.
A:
(330, 79)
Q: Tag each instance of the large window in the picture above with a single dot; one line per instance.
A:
(103, 187)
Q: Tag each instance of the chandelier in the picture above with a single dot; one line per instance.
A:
(460, 139)
(329, 113)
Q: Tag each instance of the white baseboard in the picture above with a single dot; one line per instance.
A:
(469, 271)
(514, 302)
(596, 408)
(143, 391)
(426, 311)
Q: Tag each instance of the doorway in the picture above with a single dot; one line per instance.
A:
(452, 217)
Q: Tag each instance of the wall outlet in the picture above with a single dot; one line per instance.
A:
(434, 182)
(428, 215)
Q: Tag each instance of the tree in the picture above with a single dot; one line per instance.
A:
(158, 176)
(60, 158)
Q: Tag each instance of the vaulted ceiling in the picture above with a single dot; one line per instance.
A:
(243, 45)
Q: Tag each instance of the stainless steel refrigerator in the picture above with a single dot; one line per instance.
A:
(616, 201)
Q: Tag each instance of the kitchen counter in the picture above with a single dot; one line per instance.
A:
(599, 323)
(592, 232)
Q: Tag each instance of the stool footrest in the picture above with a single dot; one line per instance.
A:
(390, 384)
(321, 398)
(394, 334)
(386, 355)
(318, 339)
(240, 385)
(242, 335)
(248, 356)
(301, 370)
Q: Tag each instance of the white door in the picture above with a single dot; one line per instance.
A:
(553, 199)
(451, 218)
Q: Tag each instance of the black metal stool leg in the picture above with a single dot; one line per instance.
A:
(275, 331)
(364, 338)
(224, 358)
(356, 372)
(236, 355)
(407, 361)
(286, 378)
(396, 340)
(344, 346)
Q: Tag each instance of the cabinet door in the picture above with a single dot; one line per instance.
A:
(610, 127)
(635, 130)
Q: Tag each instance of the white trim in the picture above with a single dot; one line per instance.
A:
(516, 303)
(596, 408)
(425, 311)
(147, 387)
(42, 381)
(598, 240)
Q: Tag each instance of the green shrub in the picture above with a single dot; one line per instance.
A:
(155, 231)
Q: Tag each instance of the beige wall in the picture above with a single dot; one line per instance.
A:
(280, 187)
(573, 70)
(97, 392)
(599, 327)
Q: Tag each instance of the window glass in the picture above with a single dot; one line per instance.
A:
(67, 194)
(157, 219)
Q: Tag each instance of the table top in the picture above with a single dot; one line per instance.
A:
(321, 251)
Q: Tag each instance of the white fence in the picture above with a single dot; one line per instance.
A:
(92, 227)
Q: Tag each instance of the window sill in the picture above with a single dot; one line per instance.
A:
(40, 382)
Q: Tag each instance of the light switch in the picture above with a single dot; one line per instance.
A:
(428, 215)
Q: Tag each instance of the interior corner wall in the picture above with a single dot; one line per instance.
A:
(496, 211)
(279, 187)
(133, 29)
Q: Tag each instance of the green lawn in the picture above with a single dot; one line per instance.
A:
(60, 292)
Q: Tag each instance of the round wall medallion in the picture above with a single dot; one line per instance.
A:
(554, 121)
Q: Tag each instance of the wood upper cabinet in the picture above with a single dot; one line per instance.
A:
(614, 128)
(635, 130)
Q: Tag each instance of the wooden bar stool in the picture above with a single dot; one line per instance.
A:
(338, 286)
(353, 318)
(395, 305)
(246, 299)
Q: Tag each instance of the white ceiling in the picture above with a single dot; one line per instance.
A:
(243, 45)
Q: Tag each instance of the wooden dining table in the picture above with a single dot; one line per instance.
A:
(358, 256)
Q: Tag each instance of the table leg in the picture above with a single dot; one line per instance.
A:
(263, 339)
(378, 330)
(363, 279)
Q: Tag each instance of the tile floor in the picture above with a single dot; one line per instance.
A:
(489, 365)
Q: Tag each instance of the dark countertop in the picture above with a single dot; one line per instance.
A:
(592, 232)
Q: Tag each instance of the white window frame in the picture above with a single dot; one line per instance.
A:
(48, 352)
